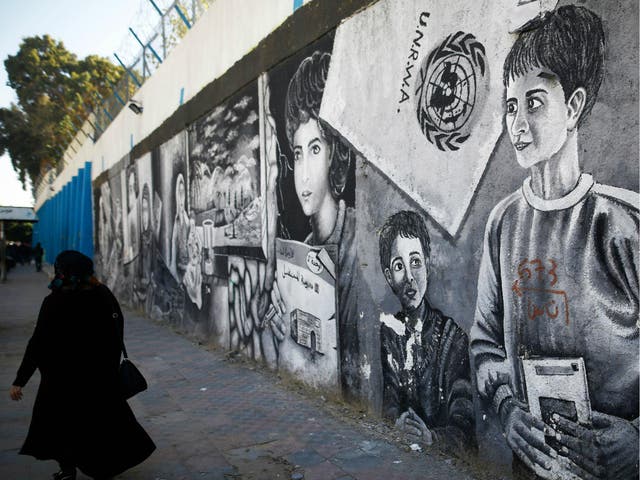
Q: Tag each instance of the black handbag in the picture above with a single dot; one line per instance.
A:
(132, 381)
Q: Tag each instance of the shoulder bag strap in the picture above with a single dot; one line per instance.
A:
(115, 315)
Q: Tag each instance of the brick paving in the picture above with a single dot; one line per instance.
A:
(210, 418)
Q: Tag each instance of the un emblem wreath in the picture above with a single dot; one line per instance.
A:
(447, 88)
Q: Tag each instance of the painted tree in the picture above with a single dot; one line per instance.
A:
(54, 90)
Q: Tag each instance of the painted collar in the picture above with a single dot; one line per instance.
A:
(569, 200)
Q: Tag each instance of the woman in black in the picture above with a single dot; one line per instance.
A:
(80, 418)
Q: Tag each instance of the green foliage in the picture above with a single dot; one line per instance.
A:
(19, 231)
(176, 27)
(54, 89)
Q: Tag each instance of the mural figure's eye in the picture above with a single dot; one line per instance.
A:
(397, 266)
(534, 104)
(512, 107)
(296, 155)
(416, 262)
(315, 149)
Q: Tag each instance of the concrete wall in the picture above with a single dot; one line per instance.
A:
(350, 202)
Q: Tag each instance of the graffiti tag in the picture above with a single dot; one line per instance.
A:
(541, 300)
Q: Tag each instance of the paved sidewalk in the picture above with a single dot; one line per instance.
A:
(210, 418)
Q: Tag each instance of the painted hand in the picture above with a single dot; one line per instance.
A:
(414, 428)
(607, 450)
(15, 393)
(529, 446)
(490, 376)
(278, 322)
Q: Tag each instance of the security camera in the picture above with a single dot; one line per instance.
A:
(135, 106)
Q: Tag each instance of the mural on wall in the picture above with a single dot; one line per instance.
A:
(226, 188)
(147, 237)
(172, 223)
(241, 229)
(424, 353)
(250, 281)
(109, 229)
(226, 207)
(439, 109)
(131, 213)
(555, 338)
(292, 297)
(250, 331)
(306, 289)
(316, 204)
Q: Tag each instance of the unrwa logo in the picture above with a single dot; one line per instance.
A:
(452, 81)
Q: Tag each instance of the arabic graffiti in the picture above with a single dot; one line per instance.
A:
(524, 272)
(540, 302)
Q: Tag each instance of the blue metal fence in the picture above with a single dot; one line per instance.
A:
(66, 219)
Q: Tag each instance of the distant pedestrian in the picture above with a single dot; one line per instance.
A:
(37, 256)
(79, 418)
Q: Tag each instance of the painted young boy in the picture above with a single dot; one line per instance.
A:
(425, 360)
(559, 272)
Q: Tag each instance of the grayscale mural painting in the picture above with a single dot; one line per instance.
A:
(424, 354)
(441, 105)
(131, 213)
(109, 229)
(314, 302)
(226, 201)
(147, 237)
(431, 210)
(555, 336)
(224, 161)
(286, 311)
(171, 230)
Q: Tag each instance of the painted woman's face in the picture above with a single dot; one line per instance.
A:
(311, 162)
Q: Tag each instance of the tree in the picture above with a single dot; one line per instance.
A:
(19, 231)
(54, 90)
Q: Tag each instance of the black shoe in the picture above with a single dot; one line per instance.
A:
(65, 475)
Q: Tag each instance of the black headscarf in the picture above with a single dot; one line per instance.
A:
(72, 269)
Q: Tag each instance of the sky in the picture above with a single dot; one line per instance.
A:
(86, 27)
